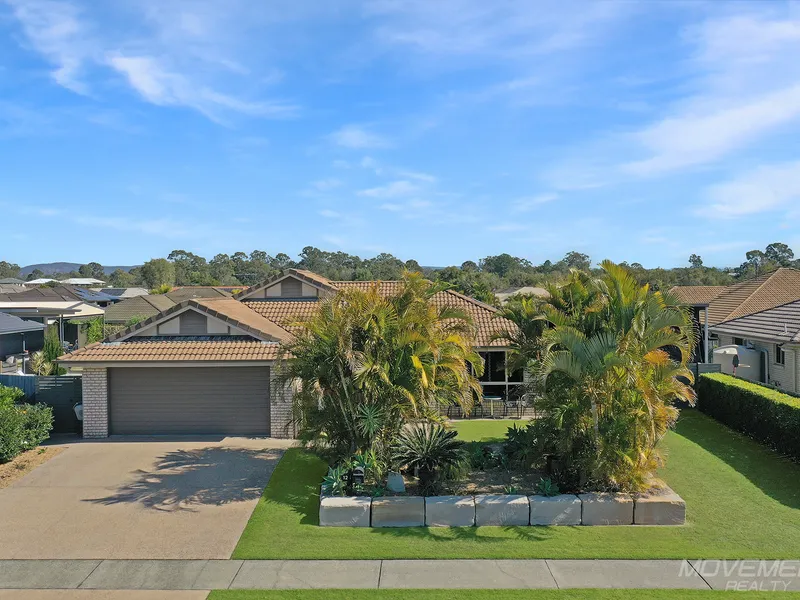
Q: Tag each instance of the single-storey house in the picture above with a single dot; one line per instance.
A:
(141, 307)
(123, 293)
(19, 335)
(11, 281)
(762, 313)
(206, 365)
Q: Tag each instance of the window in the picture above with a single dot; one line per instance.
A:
(738, 341)
(780, 355)
(496, 380)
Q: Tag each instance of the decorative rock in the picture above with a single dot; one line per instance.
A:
(665, 508)
(344, 511)
(606, 509)
(564, 509)
(450, 511)
(502, 510)
(395, 483)
(398, 511)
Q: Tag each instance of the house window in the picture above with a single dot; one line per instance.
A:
(738, 341)
(496, 380)
(780, 355)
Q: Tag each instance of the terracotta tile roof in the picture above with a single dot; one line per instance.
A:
(751, 296)
(210, 349)
(226, 309)
(781, 323)
(301, 274)
(484, 316)
(59, 293)
(138, 306)
(696, 294)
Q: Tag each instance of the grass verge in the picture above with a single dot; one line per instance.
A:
(486, 595)
(743, 501)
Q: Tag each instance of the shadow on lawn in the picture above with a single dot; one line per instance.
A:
(181, 480)
(773, 474)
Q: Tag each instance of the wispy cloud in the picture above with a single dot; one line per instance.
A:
(325, 185)
(391, 190)
(358, 137)
(764, 189)
(528, 204)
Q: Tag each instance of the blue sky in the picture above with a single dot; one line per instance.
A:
(441, 131)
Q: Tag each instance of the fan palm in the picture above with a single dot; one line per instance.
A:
(430, 449)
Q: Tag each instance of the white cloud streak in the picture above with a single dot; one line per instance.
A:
(358, 137)
(767, 188)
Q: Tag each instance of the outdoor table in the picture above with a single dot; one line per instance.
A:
(492, 400)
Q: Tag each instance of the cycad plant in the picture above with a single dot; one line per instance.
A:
(431, 450)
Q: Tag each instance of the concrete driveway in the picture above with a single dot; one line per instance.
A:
(137, 499)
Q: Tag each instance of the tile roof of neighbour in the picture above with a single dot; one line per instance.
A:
(781, 323)
(13, 324)
(12, 281)
(59, 293)
(210, 348)
(301, 274)
(84, 281)
(696, 294)
(484, 316)
(131, 292)
(88, 295)
(754, 295)
(196, 291)
(11, 289)
(138, 306)
(228, 310)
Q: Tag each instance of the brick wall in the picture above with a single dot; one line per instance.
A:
(95, 402)
(280, 398)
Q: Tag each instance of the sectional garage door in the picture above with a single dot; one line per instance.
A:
(189, 400)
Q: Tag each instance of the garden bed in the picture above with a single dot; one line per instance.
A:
(603, 509)
(26, 462)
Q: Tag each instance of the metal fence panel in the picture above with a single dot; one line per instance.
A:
(27, 383)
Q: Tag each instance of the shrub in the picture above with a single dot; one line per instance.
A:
(10, 395)
(767, 415)
(22, 427)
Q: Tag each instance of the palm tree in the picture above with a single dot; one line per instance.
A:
(626, 356)
(402, 354)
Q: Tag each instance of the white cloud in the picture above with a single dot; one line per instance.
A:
(391, 190)
(357, 137)
(507, 227)
(767, 188)
(329, 214)
(324, 185)
(533, 202)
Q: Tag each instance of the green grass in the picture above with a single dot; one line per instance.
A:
(743, 501)
(484, 430)
(488, 595)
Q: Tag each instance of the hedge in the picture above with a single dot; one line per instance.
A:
(767, 415)
(22, 426)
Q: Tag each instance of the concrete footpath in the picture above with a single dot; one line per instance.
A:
(396, 574)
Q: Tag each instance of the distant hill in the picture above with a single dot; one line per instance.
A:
(64, 267)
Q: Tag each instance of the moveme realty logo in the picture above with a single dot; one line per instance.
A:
(746, 575)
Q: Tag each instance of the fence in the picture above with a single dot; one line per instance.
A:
(59, 392)
(700, 368)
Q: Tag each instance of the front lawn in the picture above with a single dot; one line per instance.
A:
(486, 595)
(743, 501)
(484, 430)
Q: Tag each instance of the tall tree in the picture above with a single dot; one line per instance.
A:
(779, 253)
(158, 272)
(121, 279)
(92, 270)
(695, 261)
(8, 269)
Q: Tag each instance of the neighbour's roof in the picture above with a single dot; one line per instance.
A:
(138, 306)
(11, 281)
(93, 296)
(203, 348)
(84, 281)
(131, 292)
(196, 291)
(781, 323)
(11, 289)
(696, 295)
(59, 293)
(505, 294)
(40, 281)
(749, 297)
(11, 324)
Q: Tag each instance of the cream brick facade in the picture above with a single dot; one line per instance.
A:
(95, 402)
(785, 376)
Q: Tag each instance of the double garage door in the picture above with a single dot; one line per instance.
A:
(189, 400)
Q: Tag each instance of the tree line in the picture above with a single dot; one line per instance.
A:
(477, 279)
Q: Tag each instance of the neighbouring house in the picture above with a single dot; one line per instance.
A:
(7, 288)
(206, 365)
(138, 307)
(761, 313)
(40, 281)
(18, 336)
(123, 293)
(180, 294)
(83, 281)
(504, 295)
(11, 281)
(59, 305)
